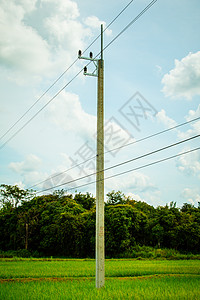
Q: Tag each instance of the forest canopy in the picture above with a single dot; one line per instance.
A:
(61, 224)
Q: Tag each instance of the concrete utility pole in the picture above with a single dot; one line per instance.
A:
(26, 240)
(100, 248)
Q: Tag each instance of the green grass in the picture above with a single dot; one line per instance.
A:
(86, 268)
(46, 269)
(74, 279)
(147, 288)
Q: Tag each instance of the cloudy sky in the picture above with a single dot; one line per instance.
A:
(152, 83)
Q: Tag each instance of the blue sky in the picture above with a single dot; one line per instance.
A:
(156, 63)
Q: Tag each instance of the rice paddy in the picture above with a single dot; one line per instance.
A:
(75, 279)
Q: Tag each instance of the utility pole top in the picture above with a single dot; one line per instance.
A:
(101, 41)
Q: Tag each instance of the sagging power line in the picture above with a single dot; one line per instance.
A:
(125, 172)
(117, 148)
(126, 162)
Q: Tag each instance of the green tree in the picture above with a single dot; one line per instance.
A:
(12, 196)
(124, 226)
(86, 200)
(157, 235)
(116, 198)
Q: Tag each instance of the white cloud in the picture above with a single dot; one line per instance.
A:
(195, 130)
(20, 184)
(58, 181)
(31, 163)
(164, 119)
(95, 23)
(32, 174)
(21, 47)
(29, 170)
(68, 173)
(134, 197)
(66, 8)
(115, 136)
(135, 181)
(152, 197)
(195, 126)
(67, 33)
(28, 5)
(193, 114)
(36, 42)
(63, 26)
(189, 163)
(191, 195)
(183, 80)
(68, 114)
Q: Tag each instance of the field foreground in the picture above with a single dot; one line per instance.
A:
(75, 279)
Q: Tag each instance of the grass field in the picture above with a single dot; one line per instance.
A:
(74, 279)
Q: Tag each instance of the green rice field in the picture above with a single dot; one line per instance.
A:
(75, 279)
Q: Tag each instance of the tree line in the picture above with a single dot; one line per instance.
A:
(64, 225)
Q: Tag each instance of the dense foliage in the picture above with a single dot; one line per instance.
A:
(64, 225)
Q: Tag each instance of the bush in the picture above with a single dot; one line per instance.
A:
(23, 253)
(18, 253)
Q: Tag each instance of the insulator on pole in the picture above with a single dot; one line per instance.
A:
(79, 53)
(85, 69)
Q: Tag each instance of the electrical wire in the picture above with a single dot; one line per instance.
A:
(152, 135)
(128, 161)
(125, 172)
(20, 129)
(117, 148)
(26, 112)
(37, 101)
(58, 174)
(133, 21)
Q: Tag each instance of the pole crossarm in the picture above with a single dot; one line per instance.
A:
(95, 62)
(87, 58)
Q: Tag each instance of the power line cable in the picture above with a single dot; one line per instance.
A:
(152, 135)
(20, 129)
(60, 173)
(128, 161)
(114, 149)
(133, 21)
(64, 72)
(126, 27)
(37, 101)
(117, 148)
(128, 171)
(153, 163)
